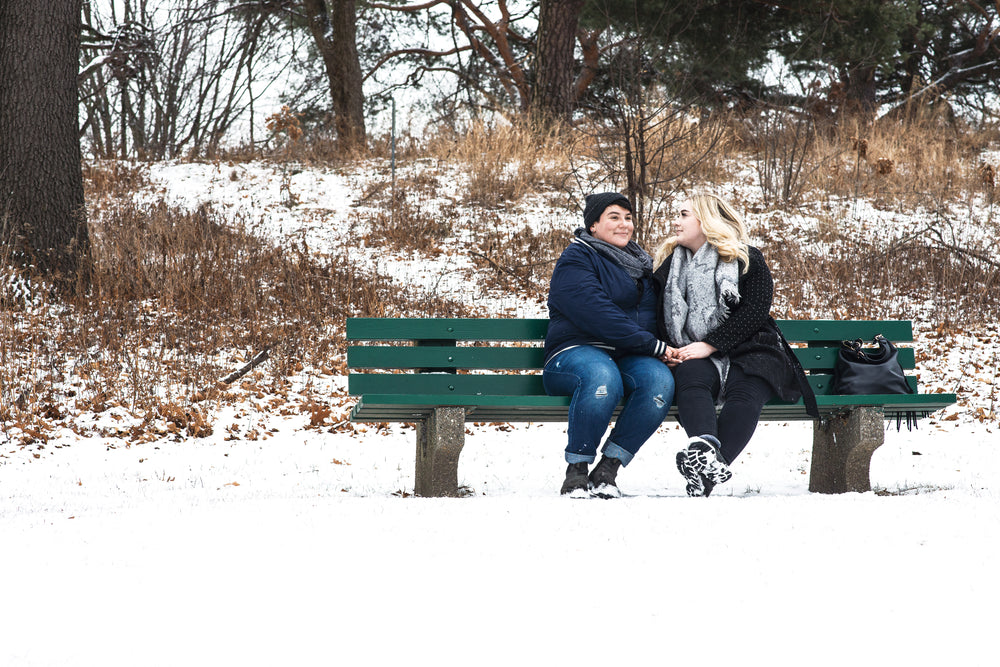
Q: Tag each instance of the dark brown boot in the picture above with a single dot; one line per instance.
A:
(576, 478)
(602, 478)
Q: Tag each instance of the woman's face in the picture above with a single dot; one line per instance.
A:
(614, 226)
(687, 228)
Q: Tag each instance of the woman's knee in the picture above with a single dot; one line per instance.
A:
(642, 373)
(598, 379)
(602, 382)
(663, 382)
(696, 374)
(748, 390)
(583, 371)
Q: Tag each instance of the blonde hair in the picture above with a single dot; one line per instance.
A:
(722, 226)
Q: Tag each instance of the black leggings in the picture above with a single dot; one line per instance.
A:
(697, 388)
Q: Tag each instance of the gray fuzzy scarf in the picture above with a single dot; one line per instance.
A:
(698, 295)
(633, 259)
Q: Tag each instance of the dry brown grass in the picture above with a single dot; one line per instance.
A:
(870, 279)
(180, 298)
(114, 179)
(518, 259)
(919, 166)
(901, 165)
(405, 218)
(504, 161)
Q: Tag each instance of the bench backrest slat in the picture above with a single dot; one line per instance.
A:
(385, 356)
(485, 329)
(834, 331)
(529, 358)
(824, 358)
(446, 329)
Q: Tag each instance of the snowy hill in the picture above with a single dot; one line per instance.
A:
(288, 537)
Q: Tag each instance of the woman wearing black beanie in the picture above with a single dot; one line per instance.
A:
(601, 346)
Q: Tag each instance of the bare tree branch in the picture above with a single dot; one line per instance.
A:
(428, 53)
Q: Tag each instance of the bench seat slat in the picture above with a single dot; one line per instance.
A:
(408, 407)
(889, 401)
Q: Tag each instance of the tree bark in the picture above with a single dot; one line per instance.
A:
(554, 96)
(333, 24)
(860, 90)
(42, 212)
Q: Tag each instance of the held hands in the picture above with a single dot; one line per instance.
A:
(677, 355)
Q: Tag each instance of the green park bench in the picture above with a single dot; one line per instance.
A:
(441, 373)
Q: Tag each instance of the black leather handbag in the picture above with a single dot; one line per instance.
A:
(860, 371)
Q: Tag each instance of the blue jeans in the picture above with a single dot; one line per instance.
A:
(597, 384)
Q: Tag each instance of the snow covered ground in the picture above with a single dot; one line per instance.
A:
(301, 545)
(296, 551)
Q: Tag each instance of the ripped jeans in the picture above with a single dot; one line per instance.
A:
(597, 384)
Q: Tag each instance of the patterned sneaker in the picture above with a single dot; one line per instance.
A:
(576, 479)
(602, 478)
(702, 466)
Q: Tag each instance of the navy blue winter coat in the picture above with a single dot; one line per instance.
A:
(593, 301)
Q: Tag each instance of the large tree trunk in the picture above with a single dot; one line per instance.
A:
(333, 24)
(554, 96)
(860, 90)
(42, 214)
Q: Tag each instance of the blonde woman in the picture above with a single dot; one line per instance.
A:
(726, 348)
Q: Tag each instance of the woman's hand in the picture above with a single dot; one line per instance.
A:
(697, 350)
(670, 357)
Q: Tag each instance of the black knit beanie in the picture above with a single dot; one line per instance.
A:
(595, 204)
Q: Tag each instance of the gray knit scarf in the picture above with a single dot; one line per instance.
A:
(700, 290)
(633, 259)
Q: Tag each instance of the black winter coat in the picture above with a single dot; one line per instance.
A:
(750, 335)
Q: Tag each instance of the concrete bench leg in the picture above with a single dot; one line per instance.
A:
(842, 451)
(439, 442)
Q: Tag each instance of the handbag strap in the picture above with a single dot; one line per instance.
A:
(885, 350)
(852, 348)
